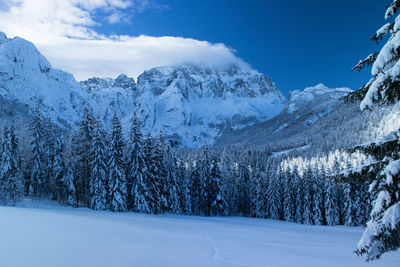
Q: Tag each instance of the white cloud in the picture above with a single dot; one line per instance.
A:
(61, 29)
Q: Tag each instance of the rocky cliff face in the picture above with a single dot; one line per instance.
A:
(191, 104)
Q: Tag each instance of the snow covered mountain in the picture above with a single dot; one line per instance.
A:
(190, 104)
(298, 99)
(26, 76)
(307, 113)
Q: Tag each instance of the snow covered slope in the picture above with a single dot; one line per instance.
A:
(26, 76)
(306, 115)
(65, 236)
(190, 104)
(299, 99)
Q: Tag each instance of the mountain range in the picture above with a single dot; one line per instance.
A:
(189, 104)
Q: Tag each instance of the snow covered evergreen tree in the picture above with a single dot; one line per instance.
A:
(48, 142)
(215, 190)
(274, 197)
(318, 200)
(184, 189)
(289, 207)
(383, 229)
(39, 184)
(59, 171)
(136, 168)
(308, 196)
(11, 188)
(195, 192)
(98, 178)
(171, 183)
(70, 191)
(204, 169)
(152, 177)
(259, 194)
(162, 161)
(83, 157)
(243, 194)
(299, 197)
(331, 202)
(116, 173)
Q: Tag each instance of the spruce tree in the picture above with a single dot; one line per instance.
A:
(116, 173)
(348, 199)
(215, 190)
(243, 194)
(382, 233)
(318, 200)
(136, 168)
(59, 171)
(289, 197)
(171, 183)
(204, 169)
(98, 178)
(262, 209)
(152, 178)
(48, 143)
(11, 188)
(39, 184)
(195, 192)
(308, 196)
(70, 191)
(331, 202)
(84, 156)
(274, 197)
(185, 190)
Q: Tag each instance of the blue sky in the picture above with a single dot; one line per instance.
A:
(296, 43)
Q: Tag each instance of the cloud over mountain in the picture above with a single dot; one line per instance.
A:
(63, 30)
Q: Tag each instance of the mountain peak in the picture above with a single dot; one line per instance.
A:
(299, 98)
(3, 38)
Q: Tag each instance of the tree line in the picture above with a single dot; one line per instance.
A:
(103, 171)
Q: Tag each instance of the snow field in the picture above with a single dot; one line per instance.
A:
(45, 234)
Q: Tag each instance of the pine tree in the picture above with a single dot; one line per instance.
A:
(59, 169)
(262, 195)
(318, 200)
(299, 197)
(152, 177)
(289, 197)
(171, 184)
(70, 192)
(49, 148)
(254, 177)
(331, 202)
(308, 196)
(116, 173)
(274, 197)
(98, 178)
(383, 229)
(11, 188)
(84, 157)
(39, 184)
(215, 191)
(165, 173)
(185, 191)
(348, 199)
(243, 194)
(204, 169)
(195, 192)
(136, 168)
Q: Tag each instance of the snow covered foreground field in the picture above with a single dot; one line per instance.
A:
(45, 234)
